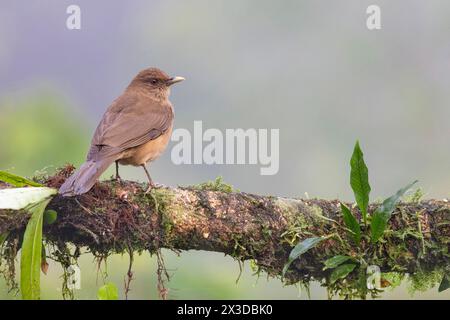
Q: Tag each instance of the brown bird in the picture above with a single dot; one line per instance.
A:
(134, 130)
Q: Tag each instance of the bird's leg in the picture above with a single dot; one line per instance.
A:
(117, 172)
(150, 181)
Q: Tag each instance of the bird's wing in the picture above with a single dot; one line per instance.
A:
(130, 121)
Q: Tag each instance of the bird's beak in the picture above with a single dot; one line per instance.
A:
(174, 80)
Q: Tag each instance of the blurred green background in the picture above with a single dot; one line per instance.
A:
(310, 68)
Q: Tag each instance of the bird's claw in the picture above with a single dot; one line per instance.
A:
(150, 187)
(154, 185)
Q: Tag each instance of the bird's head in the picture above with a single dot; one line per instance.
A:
(155, 81)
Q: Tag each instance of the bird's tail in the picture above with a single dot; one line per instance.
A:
(82, 180)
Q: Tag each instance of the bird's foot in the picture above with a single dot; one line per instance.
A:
(150, 187)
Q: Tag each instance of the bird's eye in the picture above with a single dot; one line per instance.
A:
(154, 81)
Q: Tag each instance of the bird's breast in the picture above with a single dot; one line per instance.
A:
(146, 152)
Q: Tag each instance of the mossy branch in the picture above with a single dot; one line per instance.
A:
(120, 217)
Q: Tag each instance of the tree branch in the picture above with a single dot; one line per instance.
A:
(117, 217)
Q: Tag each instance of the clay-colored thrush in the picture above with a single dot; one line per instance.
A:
(134, 130)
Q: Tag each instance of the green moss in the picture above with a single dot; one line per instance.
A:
(160, 199)
(239, 250)
(215, 185)
(297, 226)
(266, 232)
(167, 226)
(318, 212)
(415, 197)
(394, 279)
(424, 280)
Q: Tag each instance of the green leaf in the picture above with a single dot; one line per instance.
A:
(351, 223)
(445, 283)
(359, 180)
(50, 216)
(30, 259)
(341, 272)
(300, 249)
(34, 200)
(361, 283)
(378, 225)
(383, 213)
(17, 181)
(335, 261)
(390, 203)
(108, 292)
(20, 198)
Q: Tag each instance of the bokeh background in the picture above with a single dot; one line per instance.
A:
(310, 68)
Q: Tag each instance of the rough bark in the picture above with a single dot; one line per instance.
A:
(119, 216)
